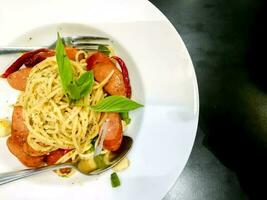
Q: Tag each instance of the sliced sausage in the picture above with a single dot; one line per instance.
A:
(30, 151)
(96, 58)
(115, 85)
(17, 120)
(20, 133)
(16, 148)
(18, 79)
(113, 136)
(71, 53)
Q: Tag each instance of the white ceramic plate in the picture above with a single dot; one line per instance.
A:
(162, 77)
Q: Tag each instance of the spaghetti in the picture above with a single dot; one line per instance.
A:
(71, 107)
(52, 120)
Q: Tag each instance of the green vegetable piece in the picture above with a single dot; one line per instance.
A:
(115, 181)
(125, 117)
(127, 121)
(104, 49)
(64, 65)
(116, 104)
(99, 160)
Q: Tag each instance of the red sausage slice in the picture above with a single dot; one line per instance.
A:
(114, 136)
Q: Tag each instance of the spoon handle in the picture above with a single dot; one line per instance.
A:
(12, 176)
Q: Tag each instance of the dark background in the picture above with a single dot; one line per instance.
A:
(227, 43)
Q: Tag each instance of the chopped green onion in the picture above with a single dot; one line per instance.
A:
(115, 181)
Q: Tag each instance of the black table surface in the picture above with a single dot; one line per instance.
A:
(226, 41)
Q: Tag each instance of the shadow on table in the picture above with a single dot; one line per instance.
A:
(236, 125)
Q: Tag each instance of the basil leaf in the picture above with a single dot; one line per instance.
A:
(84, 78)
(103, 49)
(73, 91)
(116, 104)
(85, 89)
(85, 83)
(64, 65)
(81, 87)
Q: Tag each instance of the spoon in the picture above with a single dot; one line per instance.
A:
(117, 156)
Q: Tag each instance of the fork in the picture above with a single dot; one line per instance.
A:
(77, 41)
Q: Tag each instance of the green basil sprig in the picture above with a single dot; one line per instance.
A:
(82, 86)
(75, 89)
(116, 104)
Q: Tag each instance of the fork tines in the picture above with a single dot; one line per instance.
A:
(79, 37)
(85, 42)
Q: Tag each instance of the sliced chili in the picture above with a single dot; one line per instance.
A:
(39, 57)
(54, 156)
(125, 74)
(20, 61)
